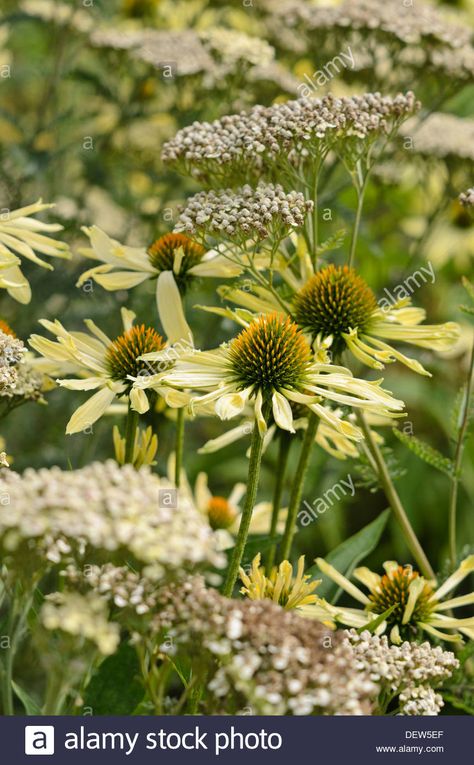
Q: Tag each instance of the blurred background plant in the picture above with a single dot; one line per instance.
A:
(89, 95)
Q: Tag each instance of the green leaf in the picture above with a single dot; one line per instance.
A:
(459, 689)
(469, 287)
(31, 707)
(372, 626)
(333, 242)
(349, 554)
(115, 689)
(426, 452)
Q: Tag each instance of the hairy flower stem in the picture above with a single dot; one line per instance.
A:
(255, 460)
(130, 434)
(297, 487)
(179, 446)
(458, 455)
(283, 452)
(395, 502)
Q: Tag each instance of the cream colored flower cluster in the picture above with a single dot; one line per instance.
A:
(11, 353)
(102, 510)
(442, 135)
(259, 655)
(234, 48)
(410, 671)
(247, 214)
(83, 616)
(120, 585)
(409, 24)
(246, 143)
(467, 198)
(159, 48)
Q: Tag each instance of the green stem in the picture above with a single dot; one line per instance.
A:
(297, 488)
(453, 499)
(130, 434)
(56, 693)
(15, 630)
(283, 452)
(314, 254)
(395, 502)
(255, 460)
(179, 446)
(7, 668)
(355, 231)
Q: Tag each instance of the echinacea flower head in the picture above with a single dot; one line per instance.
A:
(271, 354)
(23, 236)
(174, 260)
(270, 365)
(337, 303)
(411, 603)
(6, 329)
(177, 253)
(124, 353)
(281, 585)
(224, 512)
(103, 364)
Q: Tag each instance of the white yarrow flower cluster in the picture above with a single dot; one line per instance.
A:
(245, 214)
(159, 48)
(120, 585)
(233, 49)
(84, 616)
(442, 135)
(258, 654)
(250, 143)
(409, 671)
(409, 25)
(467, 198)
(11, 353)
(102, 509)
